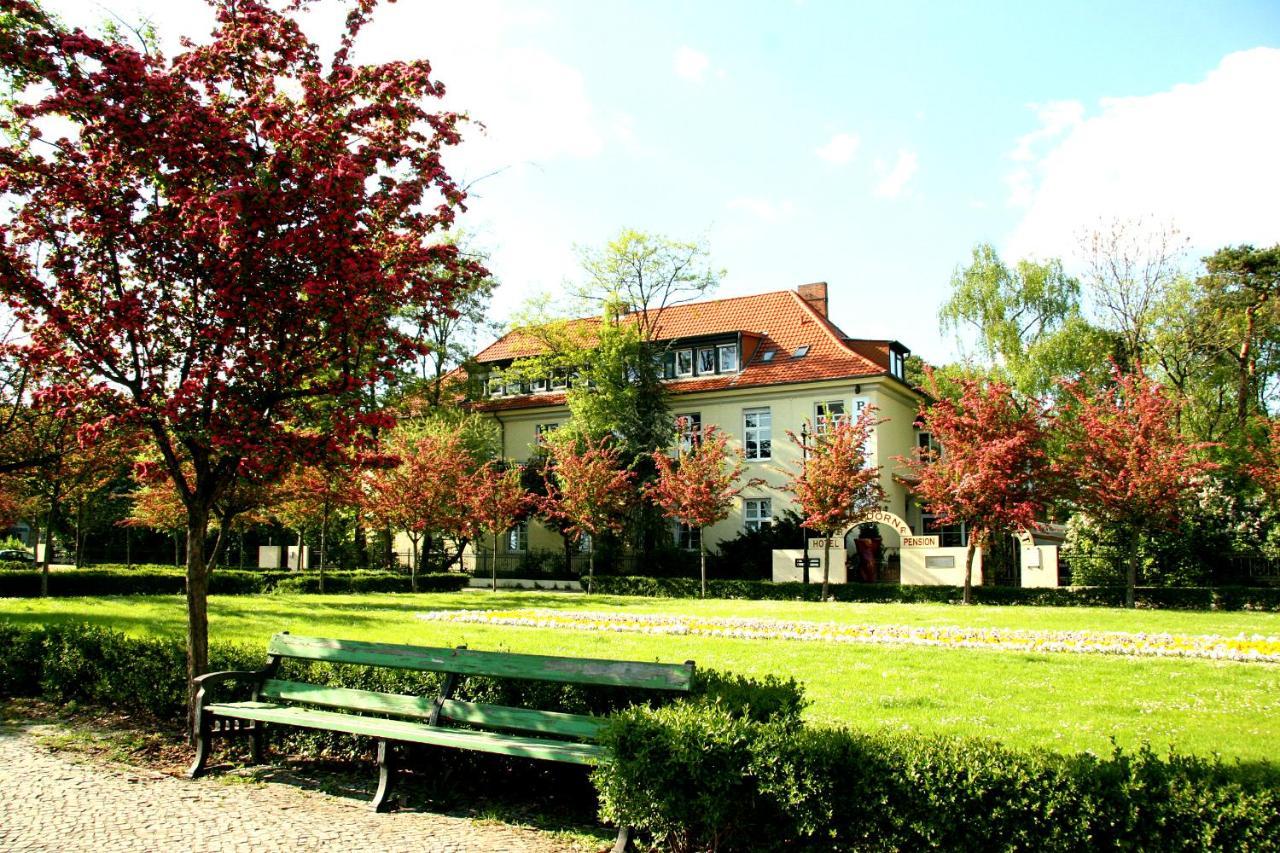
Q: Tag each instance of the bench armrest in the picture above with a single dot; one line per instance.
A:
(228, 675)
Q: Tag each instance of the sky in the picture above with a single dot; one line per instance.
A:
(868, 145)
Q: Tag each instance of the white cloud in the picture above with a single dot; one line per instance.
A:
(894, 180)
(840, 149)
(762, 208)
(1201, 155)
(691, 64)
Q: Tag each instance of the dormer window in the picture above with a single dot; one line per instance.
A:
(768, 356)
(728, 358)
(897, 363)
(706, 360)
(684, 363)
(801, 351)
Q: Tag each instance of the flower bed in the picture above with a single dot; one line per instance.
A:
(1239, 648)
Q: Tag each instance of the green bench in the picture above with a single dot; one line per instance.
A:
(439, 720)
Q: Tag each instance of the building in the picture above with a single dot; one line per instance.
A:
(757, 367)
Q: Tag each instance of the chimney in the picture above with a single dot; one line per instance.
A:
(816, 295)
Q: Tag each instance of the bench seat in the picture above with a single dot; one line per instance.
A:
(411, 732)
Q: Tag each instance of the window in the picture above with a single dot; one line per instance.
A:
(706, 360)
(949, 535)
(540, 432)
(518, 538)
(924, 441)
(768, 356)
(827, 414)
(540, 385)
(897, 365)
(686, 538)
(690, 426)
(584, 543)
(728, 358)
(757, 433)
(801, 351)
(684, 362)
(558, 381)
(758, 513)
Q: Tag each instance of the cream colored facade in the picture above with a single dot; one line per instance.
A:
(788, 405)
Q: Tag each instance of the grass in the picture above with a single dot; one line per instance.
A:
(1056, 701)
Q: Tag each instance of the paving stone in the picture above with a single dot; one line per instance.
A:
(52, 802)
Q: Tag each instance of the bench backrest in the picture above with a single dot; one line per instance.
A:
(657, 676)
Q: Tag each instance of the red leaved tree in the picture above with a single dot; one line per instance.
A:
(310, 495)
(587, 490)
(424, 495)
(224, 237)
(699, 485)
(1263, 463)
(993, 473)
(836, 484)
(495, 499)
(1126, 463)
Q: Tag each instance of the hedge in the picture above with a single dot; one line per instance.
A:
(696, 778)
(110, 580)
(1184, 598)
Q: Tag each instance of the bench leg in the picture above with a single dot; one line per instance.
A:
(624, 840)
(202, 753)
(386, 770)
(258, 749)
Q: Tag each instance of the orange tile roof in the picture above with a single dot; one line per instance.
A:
(782, 320)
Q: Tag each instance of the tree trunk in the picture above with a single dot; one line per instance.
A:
(702, 561)
(591, 566)
(1131, 574)
(241, 550)
(177, 548)
(968, 568)
(79, 534)
(48, 546)
(298, 560)
(197, 606)
(128, 547)
(1244, 392)
(362, 544)
(324, 541)
(493, 561)
(413, 563)
(826, 565)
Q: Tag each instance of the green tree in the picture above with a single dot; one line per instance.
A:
(1026, 321)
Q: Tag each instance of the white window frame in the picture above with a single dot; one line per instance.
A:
(690, 430)
(687, 353)
(757, 433)
(730, 350)
(540, 385)
(822, 417)
(540, 432)
(518, 538)
(710, 351)
(757, 513)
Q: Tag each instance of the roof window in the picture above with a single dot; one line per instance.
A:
(768, 356)
(801, 351)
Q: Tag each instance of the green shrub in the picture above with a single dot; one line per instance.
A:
(1185, 598)
(696, 777)
(115, 580)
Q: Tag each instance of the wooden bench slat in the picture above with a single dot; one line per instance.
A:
(419, 707)
(661, 676)
(410, 732)
(522, 719)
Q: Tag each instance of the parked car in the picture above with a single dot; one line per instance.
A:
(14, 555)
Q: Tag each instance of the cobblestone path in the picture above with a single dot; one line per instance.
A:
(53, 802)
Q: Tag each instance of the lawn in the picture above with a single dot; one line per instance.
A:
(1063, 702)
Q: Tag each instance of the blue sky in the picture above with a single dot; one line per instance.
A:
(867, 145)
